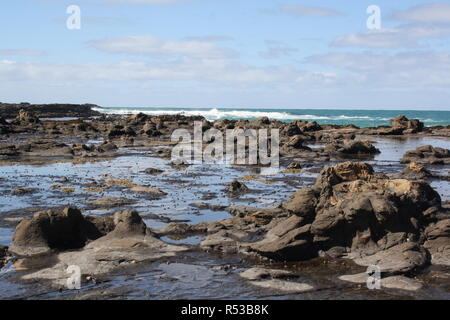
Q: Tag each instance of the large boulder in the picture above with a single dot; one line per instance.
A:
(291, 129)
(359, 212)
(236, 188)
(306, 126)
(415, 171)
(297, 142)
(104, 245)
(289, 240)
(118, 130)
(351, 147)
(408, 126)
(400, 259)
(26, 118)
(347, 171)
(302, 203)
(55, 229)
(427, 155)
(438, 242)
(136, 119)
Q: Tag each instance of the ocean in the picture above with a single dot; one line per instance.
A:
(360, 118)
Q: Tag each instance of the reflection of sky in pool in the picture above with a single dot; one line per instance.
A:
(203, 183)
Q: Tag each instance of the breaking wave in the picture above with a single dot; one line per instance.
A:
(216, 114)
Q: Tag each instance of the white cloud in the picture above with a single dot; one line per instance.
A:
(429, 12)
(22, 52)
(301, 11)
(197, 70)
(144, 1)
(408, 35)
(276, 49)
(210, 38)
(426, 21)
(408, 69)
(149, 45)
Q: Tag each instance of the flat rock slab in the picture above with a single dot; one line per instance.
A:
(401, 282)
(101, 257)
(283, 285)
(394, 282)
(261, 273)
(150, 190)
(399, 259)
(110, 202)
(355, 278)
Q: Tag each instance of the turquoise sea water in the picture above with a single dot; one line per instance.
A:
(361, 118)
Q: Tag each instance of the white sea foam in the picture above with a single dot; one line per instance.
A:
(215, 114)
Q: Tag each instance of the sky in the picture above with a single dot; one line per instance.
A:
(227, 53)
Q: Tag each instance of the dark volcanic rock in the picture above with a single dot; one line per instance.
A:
(69, 229)
(408, 126)
(3, 254)
(103, 244)
(371, 219)
(5, 126)
(427, 155)
(306, 126)
(351, 147)
(8, 151)
(128, 223)
(297, 142)
(302, 203)
(347, 171)
(110, 202)
(153, 171)
(119, 130)
(400, 259)
(21, 191)
(107, 146)
(415, 171)
(294, 166)
(10, 110)
(26, 118)
(289, 240)
(389, 131)
(236, 188)
(438, 242)
(53, 229)
(291, 129)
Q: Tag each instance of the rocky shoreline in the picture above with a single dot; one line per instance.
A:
(55, 110)
(347, 208)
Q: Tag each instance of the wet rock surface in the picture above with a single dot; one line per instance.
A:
(351, 147)
(11, 110)
(52, 229)
(285, 234)
(104, 244)
(236, 188)
(401, 122)
(350, 212)
(427, 155)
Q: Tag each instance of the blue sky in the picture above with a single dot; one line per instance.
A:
(227, 53)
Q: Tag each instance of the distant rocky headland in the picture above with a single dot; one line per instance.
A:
(54, 110)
